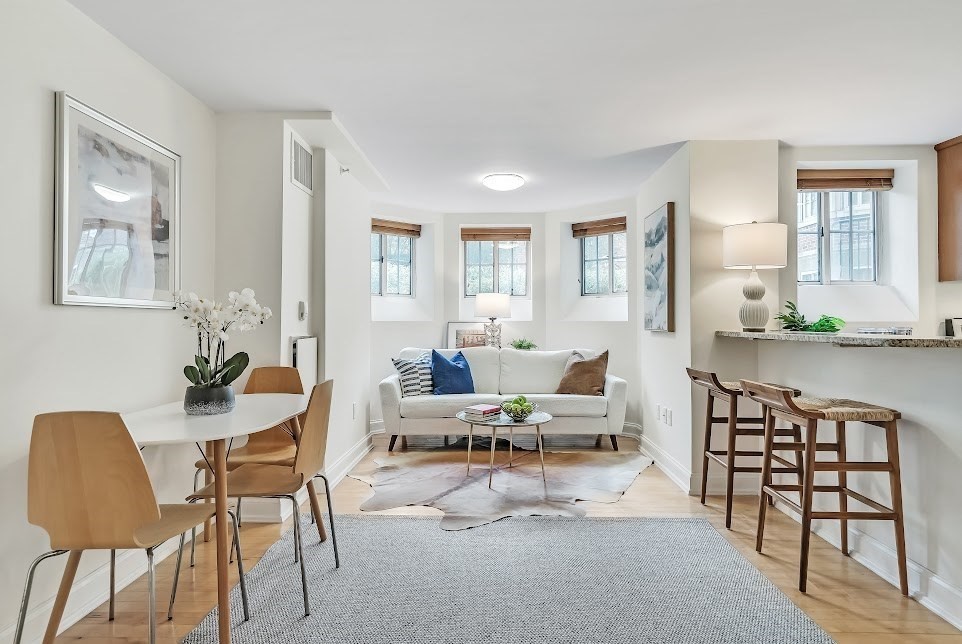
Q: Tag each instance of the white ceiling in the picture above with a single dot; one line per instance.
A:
(585, 98)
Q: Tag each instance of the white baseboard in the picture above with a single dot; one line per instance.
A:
(633, 429)
(927, 588)
(88, 592)
(678, 473)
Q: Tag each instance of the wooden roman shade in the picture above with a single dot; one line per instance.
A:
(385, 227)
(600, 227)
(870, 179)
(495, 234)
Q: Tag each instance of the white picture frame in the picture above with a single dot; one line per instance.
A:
(459, 331)
(117, 201)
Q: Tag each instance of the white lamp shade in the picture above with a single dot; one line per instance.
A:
(755, 245)
(492, 305)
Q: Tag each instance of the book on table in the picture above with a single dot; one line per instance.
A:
(482, 412)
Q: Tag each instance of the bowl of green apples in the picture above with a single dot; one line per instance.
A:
(518, 409)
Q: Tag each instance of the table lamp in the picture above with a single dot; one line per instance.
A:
(492, 306)
(754, 246)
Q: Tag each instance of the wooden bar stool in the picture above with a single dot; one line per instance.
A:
(729, 393)
(779, 404)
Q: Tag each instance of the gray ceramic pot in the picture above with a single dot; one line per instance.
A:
(208, 401)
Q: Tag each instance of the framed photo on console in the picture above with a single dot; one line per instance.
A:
(465, 334)
(118, 213)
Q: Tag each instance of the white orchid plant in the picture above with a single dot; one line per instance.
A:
(211, 321)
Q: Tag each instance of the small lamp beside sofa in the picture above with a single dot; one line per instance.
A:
(500, 374)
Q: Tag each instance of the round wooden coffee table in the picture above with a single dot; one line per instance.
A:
(536, 420)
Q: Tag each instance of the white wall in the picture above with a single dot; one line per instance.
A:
(596, 323)
(347, 309)
(732, 182)
(295, 260)
(73, 357)
(663, 357)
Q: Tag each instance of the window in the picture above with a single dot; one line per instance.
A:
(604, 264)
(837, 237)
(496, 267)
(392, 264)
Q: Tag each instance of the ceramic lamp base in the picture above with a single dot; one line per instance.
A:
(492, 334)
(754, 313)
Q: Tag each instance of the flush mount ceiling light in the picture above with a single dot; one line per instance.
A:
(503, 182)
(110, 194)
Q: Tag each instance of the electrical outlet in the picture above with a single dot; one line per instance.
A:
(664, 415)
(658, 412)
(353, 411)
(669, 418)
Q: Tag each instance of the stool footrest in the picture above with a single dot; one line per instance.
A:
(853, 466)
(775, 491)
(856, 516)
(796, 446)
(723, 420)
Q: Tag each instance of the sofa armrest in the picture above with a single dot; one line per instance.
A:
(390, 389)
(616, 391)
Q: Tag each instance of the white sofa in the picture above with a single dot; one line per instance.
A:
(501, 374)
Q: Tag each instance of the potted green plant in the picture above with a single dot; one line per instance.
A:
(213, 372)
(523, 344)
(794, 320)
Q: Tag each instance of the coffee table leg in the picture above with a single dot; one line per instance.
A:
(494, 441)
(537, 430)
(470, 441)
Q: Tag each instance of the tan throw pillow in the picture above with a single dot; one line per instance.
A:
(584, 377)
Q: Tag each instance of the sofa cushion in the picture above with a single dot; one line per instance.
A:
(584, 377)
(415, 375)
(451, 376)
(444, 406)
(532, 372)
(561, 405)
(484, 362)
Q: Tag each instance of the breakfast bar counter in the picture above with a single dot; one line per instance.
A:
(849, 339)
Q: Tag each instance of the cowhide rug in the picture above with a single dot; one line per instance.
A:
(436, 478)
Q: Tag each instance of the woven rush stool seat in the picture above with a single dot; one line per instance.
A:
(729, 391)
(779, 404)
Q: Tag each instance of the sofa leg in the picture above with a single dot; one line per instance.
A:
(404, 443)
(446, 442)
(614, 441)
(390, 446)
(598, 441)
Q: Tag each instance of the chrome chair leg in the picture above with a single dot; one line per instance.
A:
(330, 518)
(193, 531)
(151, 599)
(240, 566)
(21, 618)
(113, 585)
(173, 589)
(240, 518)
(297, 538)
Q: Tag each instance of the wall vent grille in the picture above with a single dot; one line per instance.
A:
(302, 166)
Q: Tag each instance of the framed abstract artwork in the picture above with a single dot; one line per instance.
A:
(660, 269)
(117, 213)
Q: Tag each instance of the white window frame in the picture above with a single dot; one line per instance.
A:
(825, 243)
(496, 265)
(382, 281)
(611, 265)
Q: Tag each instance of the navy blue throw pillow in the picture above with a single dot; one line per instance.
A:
(451, 376)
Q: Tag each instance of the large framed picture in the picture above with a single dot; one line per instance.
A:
(660, 269)
(465, 334)
(118, 213)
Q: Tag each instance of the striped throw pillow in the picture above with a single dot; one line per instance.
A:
(416, 377)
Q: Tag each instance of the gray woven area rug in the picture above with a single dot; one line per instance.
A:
(528, 580)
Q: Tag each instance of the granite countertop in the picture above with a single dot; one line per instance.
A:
(850, 339)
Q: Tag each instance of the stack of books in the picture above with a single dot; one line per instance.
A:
(482, 413)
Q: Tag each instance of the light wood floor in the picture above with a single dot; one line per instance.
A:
(847, 600)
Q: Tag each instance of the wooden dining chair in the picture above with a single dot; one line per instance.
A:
(274, 446)
(257, 480)
(89, 489)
